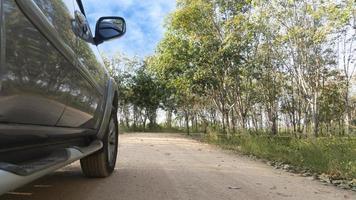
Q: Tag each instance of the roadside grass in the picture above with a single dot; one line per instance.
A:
(158, 129)
(335, 156)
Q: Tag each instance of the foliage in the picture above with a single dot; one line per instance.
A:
(260, 65)
(140, 92)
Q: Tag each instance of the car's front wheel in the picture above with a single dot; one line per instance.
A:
(102, 163)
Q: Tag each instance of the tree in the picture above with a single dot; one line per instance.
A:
(258, 66)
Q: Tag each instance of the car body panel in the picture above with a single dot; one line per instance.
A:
(33, 73)
(56, 96)
(90, 60)
(85, 89)
(49, 77)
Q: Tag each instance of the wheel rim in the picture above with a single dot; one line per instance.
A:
(112, 143)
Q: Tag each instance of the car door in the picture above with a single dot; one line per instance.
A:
(81, 94)
(33, 72)
(85, 110)
(44, 82)
(49, 75)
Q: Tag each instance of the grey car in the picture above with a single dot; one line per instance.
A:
(58, 103)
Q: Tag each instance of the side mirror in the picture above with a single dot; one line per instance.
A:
(108, 28)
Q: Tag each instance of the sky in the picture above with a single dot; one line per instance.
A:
(144, 19)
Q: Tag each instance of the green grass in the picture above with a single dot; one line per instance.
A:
(332, 155)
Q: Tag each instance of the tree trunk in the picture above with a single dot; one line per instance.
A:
(135, 117)
(347, 117)
(169, 118)
(274, 128)
(186, 115)
(233, 122)
(227, 119)
(144, 123)
(315, 119)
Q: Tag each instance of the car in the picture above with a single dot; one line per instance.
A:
(58, 103)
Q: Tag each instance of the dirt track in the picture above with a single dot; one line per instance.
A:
(168, 167)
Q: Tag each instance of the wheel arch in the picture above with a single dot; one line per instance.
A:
(115, 101)
(111, 102)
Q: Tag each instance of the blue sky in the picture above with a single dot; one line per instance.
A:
(144, 18)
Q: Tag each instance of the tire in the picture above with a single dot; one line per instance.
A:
(102, 163)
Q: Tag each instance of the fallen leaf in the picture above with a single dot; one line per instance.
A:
(234, 188)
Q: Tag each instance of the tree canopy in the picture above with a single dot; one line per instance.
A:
(252, 66)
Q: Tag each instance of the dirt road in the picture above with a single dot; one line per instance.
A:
(169, 167)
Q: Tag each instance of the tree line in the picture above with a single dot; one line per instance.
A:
(250, 66)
